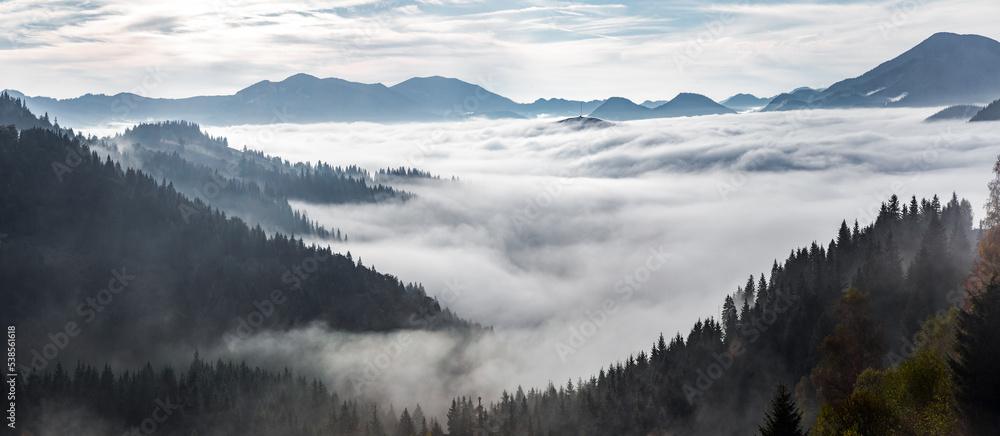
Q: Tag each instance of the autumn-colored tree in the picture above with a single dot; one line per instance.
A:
(988, 265)
(915, 398)
(856, 345)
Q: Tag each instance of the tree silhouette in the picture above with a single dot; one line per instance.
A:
(785, 418)
(977, 352)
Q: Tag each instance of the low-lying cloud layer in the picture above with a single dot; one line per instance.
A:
(580, 247)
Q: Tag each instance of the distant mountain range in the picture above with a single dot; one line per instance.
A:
(744, 102)
(945, 69)
(685, 104)
(307, 99)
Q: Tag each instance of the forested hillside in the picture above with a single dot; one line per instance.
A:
(249, 184)
(101, 262)
(205, 398)
(878, 282)
(277, 178)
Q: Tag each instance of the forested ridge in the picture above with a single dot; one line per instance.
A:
(203, 398)
(139, 268)
(807, 324)
(250, 184)
(277, 178)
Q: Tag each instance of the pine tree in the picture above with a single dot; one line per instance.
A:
(785, 418)
(436, 429)
(730, 319)
(977, 352)
(405, 427)
(375, 424)
(931, 274)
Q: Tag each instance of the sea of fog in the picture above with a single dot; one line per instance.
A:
(579, 247)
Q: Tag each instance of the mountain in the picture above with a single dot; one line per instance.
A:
(688, 105)
(307, 99)
(450, 98)
(960, 112)
(743, 102)
(944, 69)
(558, 107)
(988, 113)
(684, 105)
(621, 109)
(298, 99)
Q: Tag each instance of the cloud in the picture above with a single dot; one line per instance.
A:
(539, 49)
(581, 247)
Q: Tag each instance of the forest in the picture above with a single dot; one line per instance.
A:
(887, 329)
(180, 270)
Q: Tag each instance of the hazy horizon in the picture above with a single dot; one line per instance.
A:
(634, 49)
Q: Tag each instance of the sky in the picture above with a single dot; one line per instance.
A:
(581, 246)
(523, 50)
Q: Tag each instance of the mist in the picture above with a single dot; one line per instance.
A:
(579, 247)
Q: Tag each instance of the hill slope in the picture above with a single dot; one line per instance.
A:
(988, 113)
(145, 271)
(959, 112)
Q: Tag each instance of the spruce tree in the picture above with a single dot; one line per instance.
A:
(976, 353)
(785, 418)
(406, 426)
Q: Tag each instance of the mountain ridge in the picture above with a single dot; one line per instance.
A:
(944, 69)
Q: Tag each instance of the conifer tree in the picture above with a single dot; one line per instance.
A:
(976, 353)
(785, 418)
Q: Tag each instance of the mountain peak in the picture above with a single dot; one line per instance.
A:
(619, 100)
(690, 97)
(300, 77)
(944, 69)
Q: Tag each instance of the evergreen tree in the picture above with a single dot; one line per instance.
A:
(436, 429)
(730, 319)
(977, 352)
(931, 275)
(374, 424)
(406, 427)
(785, 418)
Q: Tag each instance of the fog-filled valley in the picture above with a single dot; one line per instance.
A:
(546, 223)
(366, 252)
(573, 247)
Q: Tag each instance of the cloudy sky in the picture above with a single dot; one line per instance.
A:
(639, 49)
